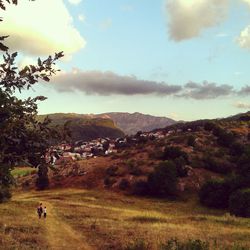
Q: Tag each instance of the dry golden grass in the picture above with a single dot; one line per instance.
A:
(102, 220)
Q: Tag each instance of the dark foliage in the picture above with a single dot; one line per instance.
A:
(191, 141)
(5, 194)
(239, 203)
(23, 139)
(162, 182)
(175, 244)
(109, 181)
(209, 126)
(124, 184)
(171, 153)
(218, 166)
(215, 194)
(42, 181)
(224, 138)
(112, 171)
(140, 188)
(180, 164)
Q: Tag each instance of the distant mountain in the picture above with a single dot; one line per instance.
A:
(85, 127)
(132, 123)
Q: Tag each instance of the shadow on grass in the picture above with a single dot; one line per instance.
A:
(148, 219)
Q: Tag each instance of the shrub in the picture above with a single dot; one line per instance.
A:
(112, 171)
(209, 126)
(239, 203)
(135, 170)
(5, 194)
(42, 181)
(180, 167)
(163, 181)
(156, 154)
(138, 245)
(215, 193)
(191, 141)
(171, 153)
(140, 188)
(237, 149)
(225, 139)
(108, 181)
(124, 184)
(175, 244)
(214, 165)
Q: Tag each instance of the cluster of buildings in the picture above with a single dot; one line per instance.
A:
(80, 150)
(66, 152)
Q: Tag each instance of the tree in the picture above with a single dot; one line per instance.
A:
(23, 139)
(163, 181)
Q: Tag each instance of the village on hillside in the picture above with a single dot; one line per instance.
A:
(79, 150)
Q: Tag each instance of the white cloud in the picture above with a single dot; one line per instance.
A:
(75, 2)
(81, 18)
(25, 61)
(244, 38)
(242, 105)
(188, 18)
(246, 1)
(41, 27)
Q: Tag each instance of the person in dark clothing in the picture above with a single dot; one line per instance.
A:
(40, 211)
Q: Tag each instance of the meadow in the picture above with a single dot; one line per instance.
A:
(92, 219)
(22, 171)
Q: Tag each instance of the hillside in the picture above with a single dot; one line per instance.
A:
(85, 127)
(132, 123)
(94, 220)
(124, 191)
(205, 149)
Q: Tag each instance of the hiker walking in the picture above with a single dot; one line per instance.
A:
(40, 211)
(44, 212)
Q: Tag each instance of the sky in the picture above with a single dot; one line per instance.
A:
(184, 59)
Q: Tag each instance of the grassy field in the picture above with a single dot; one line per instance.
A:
(23, 171)
(83, 219)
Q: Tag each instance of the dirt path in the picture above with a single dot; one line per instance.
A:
(58, 233)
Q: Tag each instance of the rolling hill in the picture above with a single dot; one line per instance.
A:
(85, 127)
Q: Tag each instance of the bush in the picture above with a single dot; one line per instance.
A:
(191, 141)
(215, 165)
(140, 188)
(175, 244)
(215, 194)
(112, 171)
(5, 194)
(138, 245)
(180, 167)
(237, 149)
(163, 181)
(209, 126)
(135, 170)
(42, 181)
(171, 153)
(239, 203)
(156, 154)
(225, 139)
(124, 184)
(108, 181)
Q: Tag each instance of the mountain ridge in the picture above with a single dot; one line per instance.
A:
(129, 123)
